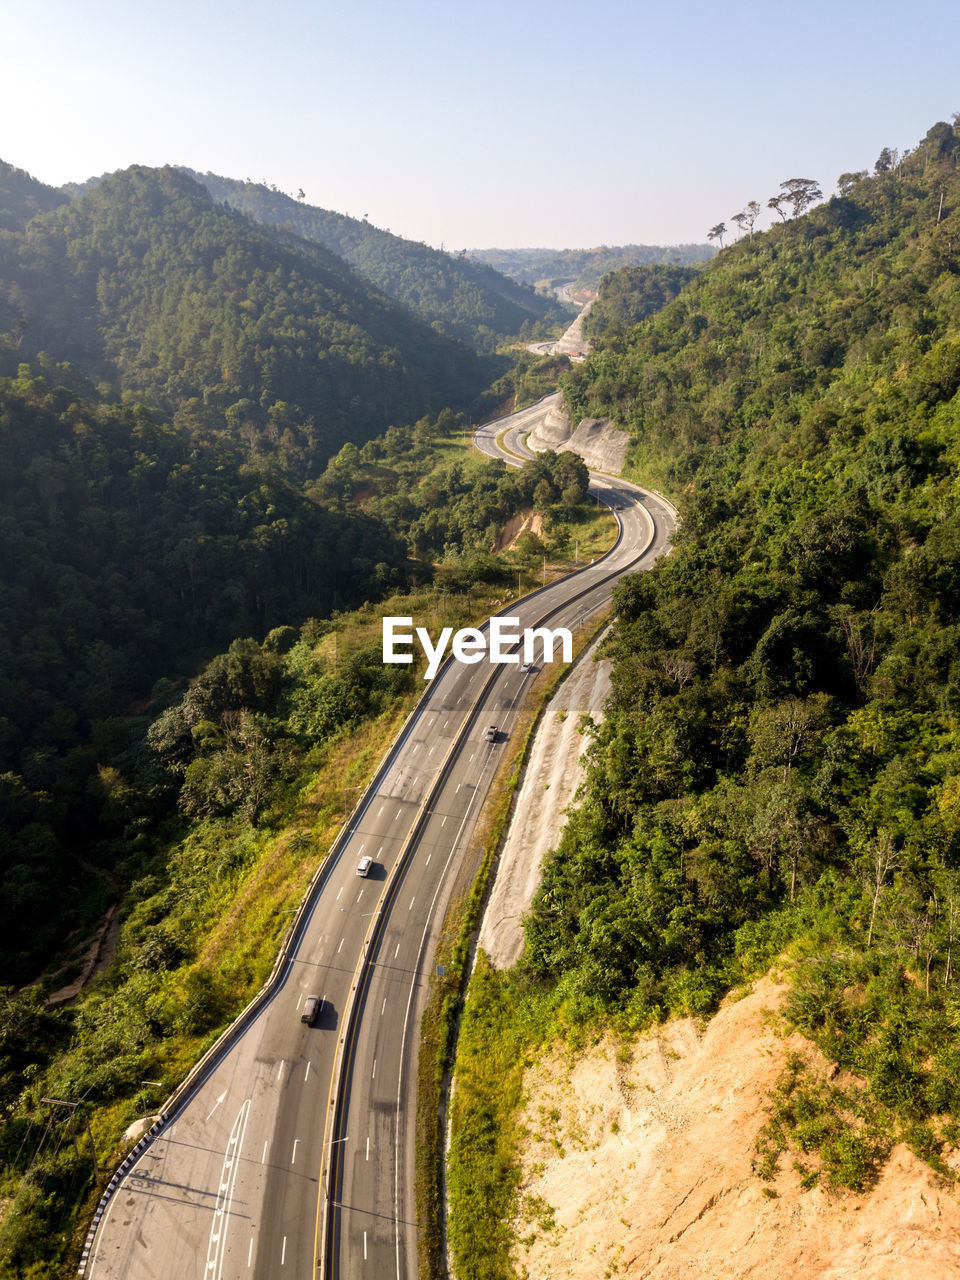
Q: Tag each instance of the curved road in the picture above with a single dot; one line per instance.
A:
(570, 343)
(266, 1170)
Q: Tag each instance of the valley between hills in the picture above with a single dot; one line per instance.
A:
(236, 431)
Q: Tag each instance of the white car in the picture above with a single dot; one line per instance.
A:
(364, 866)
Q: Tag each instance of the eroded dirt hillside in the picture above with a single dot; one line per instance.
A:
(641, 1167)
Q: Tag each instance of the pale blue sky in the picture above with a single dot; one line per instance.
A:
(480, 125)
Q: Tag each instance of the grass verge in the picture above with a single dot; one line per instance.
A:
(202, 917)
(486, 1172)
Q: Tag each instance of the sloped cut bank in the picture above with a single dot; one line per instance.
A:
(550, 779)
(639, 1162)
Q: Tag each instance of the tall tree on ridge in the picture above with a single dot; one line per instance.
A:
(801, 193)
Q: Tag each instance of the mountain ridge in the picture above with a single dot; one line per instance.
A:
(147, 283)
(470, 301)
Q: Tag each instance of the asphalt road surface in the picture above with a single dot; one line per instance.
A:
(268, 1171)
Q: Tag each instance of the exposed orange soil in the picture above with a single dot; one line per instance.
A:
(645, 1165)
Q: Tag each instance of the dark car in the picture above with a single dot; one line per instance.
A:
(311, 1007)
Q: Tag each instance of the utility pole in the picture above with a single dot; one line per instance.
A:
(157, 1084)
(72, 1108)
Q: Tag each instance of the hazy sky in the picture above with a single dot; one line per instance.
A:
(534, 122)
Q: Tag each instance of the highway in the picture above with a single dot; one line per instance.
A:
(293, 1155)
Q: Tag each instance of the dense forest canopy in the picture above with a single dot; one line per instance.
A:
(129, 548)
(584, 268)
(22, 196)
(782, 755)
(466, 299)
(451, 515)
(632, 294)
(229, 328)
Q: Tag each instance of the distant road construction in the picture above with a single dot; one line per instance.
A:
(571, 343)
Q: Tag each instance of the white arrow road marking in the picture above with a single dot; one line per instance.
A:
(217, 1103)
(228, 1178)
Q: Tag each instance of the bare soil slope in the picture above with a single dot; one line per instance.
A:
(642, 1168)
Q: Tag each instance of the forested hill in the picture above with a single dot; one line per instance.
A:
(466, 299)
(129, 551)
(22, 196)
(632, 294)
(780, 771)
(145, 283)
(584, 268)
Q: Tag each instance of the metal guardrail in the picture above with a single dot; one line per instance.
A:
(182, 1094)
(330, 1167)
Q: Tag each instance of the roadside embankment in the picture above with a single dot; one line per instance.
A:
(601, 445)
(553, 430)
(550, 780)
(637, 1162)
(571, 342)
